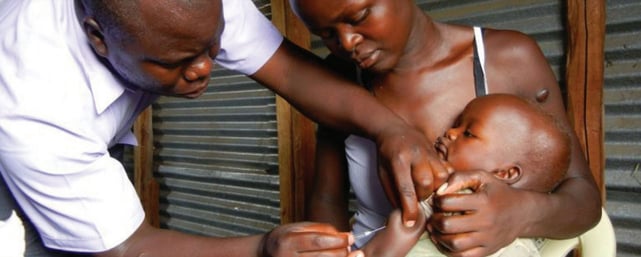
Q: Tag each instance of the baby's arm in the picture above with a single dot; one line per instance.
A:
(395, 240)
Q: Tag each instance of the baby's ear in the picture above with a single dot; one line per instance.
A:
(510, 174)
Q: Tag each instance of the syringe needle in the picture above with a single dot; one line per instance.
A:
(369, 232)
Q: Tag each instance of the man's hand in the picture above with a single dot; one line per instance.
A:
(488, 220)
(307, 239)
(409, 169)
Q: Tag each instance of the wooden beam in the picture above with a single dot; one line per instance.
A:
(144, 182)
(585, 67)
(296, 133)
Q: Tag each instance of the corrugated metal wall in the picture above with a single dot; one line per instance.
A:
(216, 157)
(622, 97)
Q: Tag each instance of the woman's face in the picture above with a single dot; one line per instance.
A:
(372, 33)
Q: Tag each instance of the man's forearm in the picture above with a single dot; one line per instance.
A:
(298, 76)
(149, 241)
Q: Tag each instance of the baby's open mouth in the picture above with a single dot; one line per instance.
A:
(441, 149)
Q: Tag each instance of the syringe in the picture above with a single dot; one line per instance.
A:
(425, 205)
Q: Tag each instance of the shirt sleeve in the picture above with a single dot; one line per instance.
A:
(248, 40)
(87, 210)
(53, 142)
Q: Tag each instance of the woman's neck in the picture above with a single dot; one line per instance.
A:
(429, 47)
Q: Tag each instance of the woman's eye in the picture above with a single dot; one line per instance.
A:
(360, 16)
(325, 34)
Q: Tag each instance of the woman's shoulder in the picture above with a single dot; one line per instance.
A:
(517, 63)
(511, 45)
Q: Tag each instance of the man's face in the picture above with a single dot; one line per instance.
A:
(169, 48)
(372, 33)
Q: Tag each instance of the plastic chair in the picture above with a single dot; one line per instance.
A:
(596, 242)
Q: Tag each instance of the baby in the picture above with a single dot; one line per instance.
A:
(512, 139)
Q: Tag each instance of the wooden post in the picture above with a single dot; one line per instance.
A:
(144, 182)
(296, 133)
(585, 67)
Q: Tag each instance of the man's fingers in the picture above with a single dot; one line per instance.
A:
(423, 180)
(316, 242)
(327, 253)
(387, 179)
(409, 204)
(407, 196)
(356, 254)
(307, 238)
(405, 192)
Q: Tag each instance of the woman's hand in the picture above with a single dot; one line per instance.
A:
(485, 221)
(307, 239)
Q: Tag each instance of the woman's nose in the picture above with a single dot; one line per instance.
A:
(348, 39)
(199, 69)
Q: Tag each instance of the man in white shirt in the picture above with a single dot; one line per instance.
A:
(74, 76)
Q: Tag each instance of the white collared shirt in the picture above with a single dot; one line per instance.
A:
(61, 109)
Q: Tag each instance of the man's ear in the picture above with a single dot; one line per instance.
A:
(95, 35)
(510, 174)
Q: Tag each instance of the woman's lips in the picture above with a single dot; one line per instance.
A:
(367, 60)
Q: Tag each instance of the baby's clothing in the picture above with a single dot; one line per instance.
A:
(521, 247)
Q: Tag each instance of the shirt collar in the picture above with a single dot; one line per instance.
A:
(105, 87)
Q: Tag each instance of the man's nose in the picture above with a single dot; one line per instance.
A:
(199, 69)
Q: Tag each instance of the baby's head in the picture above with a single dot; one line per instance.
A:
(511, 138)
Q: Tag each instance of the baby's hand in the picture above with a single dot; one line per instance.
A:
(396, 239)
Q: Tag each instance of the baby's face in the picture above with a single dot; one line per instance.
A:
(488, 135)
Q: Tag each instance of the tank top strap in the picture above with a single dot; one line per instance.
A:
(480, 81)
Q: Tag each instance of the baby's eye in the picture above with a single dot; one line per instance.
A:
(468, 133)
